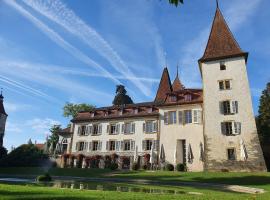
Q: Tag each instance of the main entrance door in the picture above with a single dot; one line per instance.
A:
(181, 151)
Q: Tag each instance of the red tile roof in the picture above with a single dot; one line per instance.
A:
(164, 86)
(177, 85)
(221, 43)
(40, 146)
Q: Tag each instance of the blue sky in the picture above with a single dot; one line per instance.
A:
(52, 52)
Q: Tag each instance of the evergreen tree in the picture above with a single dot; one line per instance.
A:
(54, 137)
(121, 97)
(263, 119)
(30, 142)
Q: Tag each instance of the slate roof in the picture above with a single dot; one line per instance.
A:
(164, 87)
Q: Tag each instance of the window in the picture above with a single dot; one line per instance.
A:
(128, 128)
(64, 145)
(147, 144)
(231, 154)
(227, 128)
(225, 85)
(112, 145)
(127, 145)
(95, 145)
(82, 130)
(96, 129)
(226, 107)
(188, 116)
(229, 107)
(173, 98)
(188, 97)
(172, 117)
(150, 127)
(197, 116)
(222, 65)
(113, 129)
(81, 146)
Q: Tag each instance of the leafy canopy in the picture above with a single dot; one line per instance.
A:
(71, 110)
(263, 119)
(121, 97)
(176, 2)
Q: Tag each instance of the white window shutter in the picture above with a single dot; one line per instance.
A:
(108, 128)
(234, 107)
(99, 145)
(122, 145)
(133, 128)
(123, 128)
(117, 128)
(166, 118)
(237, 128)
(91, 130)
(144, 127)
(79, 130)
(107, 145)
(85, 146)
(100, 128)
(195, 116)
(156, 145)
(77, 146)
(90, 146)
(143, 145)
(132, 145)
(199, 116)
(117, 145)
(155, 126)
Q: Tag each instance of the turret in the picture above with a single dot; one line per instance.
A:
(3, 118)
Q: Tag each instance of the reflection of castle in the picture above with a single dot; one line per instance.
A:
(208, 129)
(3, 118)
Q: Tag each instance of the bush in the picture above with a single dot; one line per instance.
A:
(145, 167)
(114, 166)
(44, 178)
(169, 167)
(135, 166)
(3, 152)
(181, 167)
(27, 155)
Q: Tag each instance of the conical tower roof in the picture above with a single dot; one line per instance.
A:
(164, 86)
(221, 43)
(177, 85)
(2, 108)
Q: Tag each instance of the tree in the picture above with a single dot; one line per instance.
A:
(176, 2)
(24, 156)
(3, 152)
(30, 142)
(54, 137)
(121, 97)
(263, 119)
(71, 110)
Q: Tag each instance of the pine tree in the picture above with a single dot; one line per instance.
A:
(121, 97)
(263, 119)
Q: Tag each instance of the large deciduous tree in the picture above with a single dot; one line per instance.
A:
(71, 110)
(176, 2)
(121, 97)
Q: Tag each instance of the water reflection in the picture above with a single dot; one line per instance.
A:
(94, 186)
(108, 187)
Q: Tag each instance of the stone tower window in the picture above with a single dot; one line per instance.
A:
(231, 154)
(222, 65)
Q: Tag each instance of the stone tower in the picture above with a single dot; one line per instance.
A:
(3, 118)
(231, 139)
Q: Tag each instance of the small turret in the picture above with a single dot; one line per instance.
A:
(3, 118)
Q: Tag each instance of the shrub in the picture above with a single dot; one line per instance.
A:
(181, 167)
(27, 155)
(3, 152)
(44, 178)
(145, 167)
(114, 166)
(135, 166)
(169, 167)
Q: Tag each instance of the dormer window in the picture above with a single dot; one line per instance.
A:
(149, 110)
(92, 114)
(222, 65)
(173, 98)
(188, 97)
(120, 112)
(136, 111)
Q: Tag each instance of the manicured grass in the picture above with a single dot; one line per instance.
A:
(259, 180)
(36, 192)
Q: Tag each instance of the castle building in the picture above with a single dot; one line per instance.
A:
(3, 118)
(208, 129)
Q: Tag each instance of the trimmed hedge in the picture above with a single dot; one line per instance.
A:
(169, 167)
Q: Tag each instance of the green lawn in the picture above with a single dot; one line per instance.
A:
(259, 180)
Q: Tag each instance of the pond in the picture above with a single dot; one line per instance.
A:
(100, 186)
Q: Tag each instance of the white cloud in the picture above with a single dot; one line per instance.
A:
(41, 126)
(15, 107)
(65, 17)
(13, 127)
